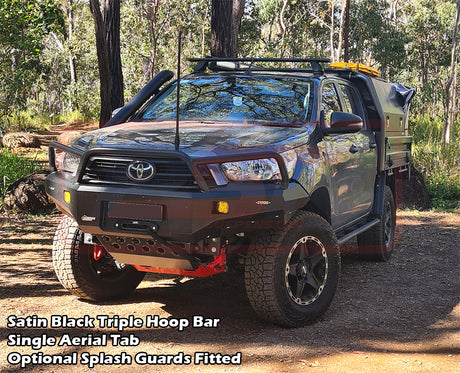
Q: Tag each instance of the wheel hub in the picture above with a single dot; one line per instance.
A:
(306, 270)
(302, 270)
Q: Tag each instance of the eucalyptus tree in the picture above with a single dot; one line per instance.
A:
(225, 24)
(106, 15)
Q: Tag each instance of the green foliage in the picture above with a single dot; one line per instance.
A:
(71, 117)
(439, 166)
(374, 35)
(28, 121)
(82, 98)
(149, 34)
(429, 29)
(437, 163)
(425, 129)
(56, 91)
(25, 120)
(13, 167)
(408, 41)
(23, 25)
(300, 31)
(250, 29)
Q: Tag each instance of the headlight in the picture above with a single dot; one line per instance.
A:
(259, 169)
(67, 162)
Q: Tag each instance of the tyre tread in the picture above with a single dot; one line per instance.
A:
(260, 271)
(68, 268)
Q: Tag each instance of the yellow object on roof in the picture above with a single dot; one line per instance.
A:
(352, 65)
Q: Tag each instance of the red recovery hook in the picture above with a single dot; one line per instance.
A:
(97, 252)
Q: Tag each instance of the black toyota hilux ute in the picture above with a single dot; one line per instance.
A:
(273, 168)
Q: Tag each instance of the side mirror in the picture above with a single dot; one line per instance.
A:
(344, 123)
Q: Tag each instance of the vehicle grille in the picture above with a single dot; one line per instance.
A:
(171, 173)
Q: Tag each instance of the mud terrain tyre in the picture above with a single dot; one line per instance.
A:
(377, 243)
(291, 274)
(82, 275)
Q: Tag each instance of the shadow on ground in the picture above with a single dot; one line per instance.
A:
(378, 307)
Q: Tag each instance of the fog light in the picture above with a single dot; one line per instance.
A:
(66, 196)
(222, 207)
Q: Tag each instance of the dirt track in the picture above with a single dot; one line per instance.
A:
(398, 316)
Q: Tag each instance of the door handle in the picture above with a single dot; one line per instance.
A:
(372, 145)
(353, 149)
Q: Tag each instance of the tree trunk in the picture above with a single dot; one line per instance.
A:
(102, 61)
(151, 10)
(341, 28)
(450, 97)
(203, 32)
(282, 27)
(221, 28)
(225, 24)
(106, 17)
(70, 28)
(112, 22)
(331, 32)
(346, 31)
(237, 14)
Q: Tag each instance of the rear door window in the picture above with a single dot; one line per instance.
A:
(329, 101)
(351, 102)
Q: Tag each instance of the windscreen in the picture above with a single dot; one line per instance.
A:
(263, 100)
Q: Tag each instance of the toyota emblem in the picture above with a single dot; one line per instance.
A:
(140, 171)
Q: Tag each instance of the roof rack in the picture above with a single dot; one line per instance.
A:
(220, 63)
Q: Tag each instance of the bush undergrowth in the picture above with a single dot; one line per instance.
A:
(439, 164)
(24, 121)
(31, 122)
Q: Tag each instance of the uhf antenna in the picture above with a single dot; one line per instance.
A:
(177, 139)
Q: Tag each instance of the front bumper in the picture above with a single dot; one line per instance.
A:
(175, 216)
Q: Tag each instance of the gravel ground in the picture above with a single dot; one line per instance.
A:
(403, 315)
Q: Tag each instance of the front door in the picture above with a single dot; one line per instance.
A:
(352, 157)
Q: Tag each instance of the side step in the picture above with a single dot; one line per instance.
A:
(360, 229)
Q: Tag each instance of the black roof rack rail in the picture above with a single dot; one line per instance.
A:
(247, 64)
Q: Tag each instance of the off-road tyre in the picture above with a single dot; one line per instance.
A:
(377, 243)
(276, 267)
(85, 278)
